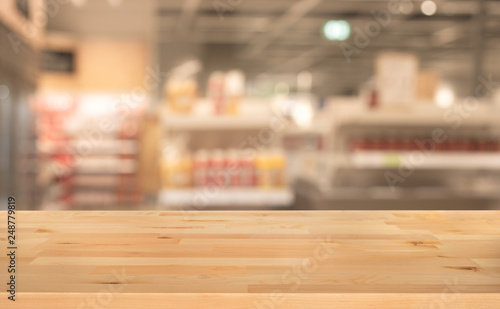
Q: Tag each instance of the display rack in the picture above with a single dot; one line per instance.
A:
(232, 198)
(203, 122)
(381, 158)
(438, 161)
(86, 167)
(203, 129)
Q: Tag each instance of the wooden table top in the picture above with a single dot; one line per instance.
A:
(299, 257)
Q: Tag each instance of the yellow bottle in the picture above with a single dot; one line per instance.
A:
(177, 171)
(181, 95)
(234, 86)
(233, 103)
(167, 170)
(277, 164)
(262, 163)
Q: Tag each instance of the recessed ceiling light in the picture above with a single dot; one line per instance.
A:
(428, 7)
(336, 30)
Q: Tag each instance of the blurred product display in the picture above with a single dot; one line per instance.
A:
(86, 164)
(234, 85)
(181, 95)
(420, 142)
(216, 92)
(226, 91)
(225, 169)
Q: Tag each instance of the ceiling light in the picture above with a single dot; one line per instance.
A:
(336, 30)
(445, 96)
(428, 7)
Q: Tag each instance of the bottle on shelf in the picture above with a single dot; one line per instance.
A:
(220, 168)
(263, 169)
(181, 95)
(200, 168)
(234, 85)
(270, 165)
(216, 83)
(176, 172)
(247, 169)
(232, 167)
(216, 174)
(277, 164)
(492, 143)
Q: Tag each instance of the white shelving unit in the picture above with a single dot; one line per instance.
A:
(421, 117)
(226, 197)
(423, 160)
(198, 122)
(252, 115)
(106, 166)
(79, 149)
(108, 147)
(463, 177)
(226, 131)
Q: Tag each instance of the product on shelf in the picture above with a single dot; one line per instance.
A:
(457, 143)
(229, 168)
(216, 169)
(225, 91)
(215, 91)
(270, 167)
(262, 163)
(181, 95)
(88, 165)
(233, 167)
(278, 164)
(177, 171)
(234, 90)
(200, 166)
(247, 170)
(129, 129)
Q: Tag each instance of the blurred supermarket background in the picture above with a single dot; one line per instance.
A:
(250, 104)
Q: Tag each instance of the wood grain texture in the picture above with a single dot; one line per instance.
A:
(254, 301)
(352, 259)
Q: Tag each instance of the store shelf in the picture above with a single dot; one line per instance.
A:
(471, 195)
(472, 190)
(104, 181)
(106, 166)
(419, 194)
(420, 118)
(422, 160)
(253, 114)
(227, 197)
(181, 122)
(104, 147)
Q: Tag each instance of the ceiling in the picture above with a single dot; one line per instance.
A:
(283, 36)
